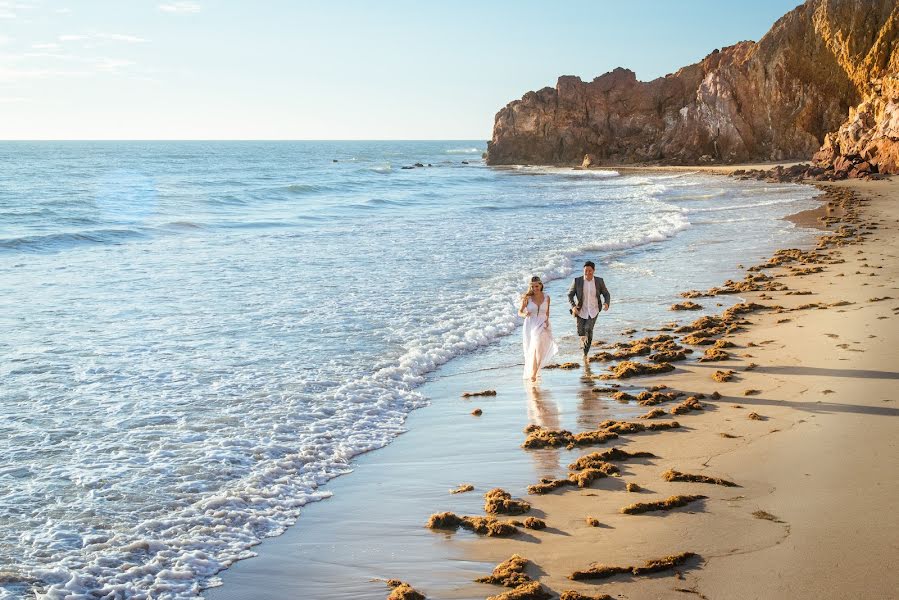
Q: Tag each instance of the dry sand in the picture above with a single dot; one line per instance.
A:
(822, 461)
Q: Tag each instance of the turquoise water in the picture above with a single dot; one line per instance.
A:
(196, 336)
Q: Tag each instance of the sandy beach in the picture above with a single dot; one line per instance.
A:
(805, 426)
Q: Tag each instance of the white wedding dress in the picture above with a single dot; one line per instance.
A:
(539, 345)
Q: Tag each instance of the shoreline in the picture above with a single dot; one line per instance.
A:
(474, 557)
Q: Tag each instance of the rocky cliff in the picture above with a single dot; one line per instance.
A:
(779, 98)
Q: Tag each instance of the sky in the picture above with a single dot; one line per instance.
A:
(282, 69)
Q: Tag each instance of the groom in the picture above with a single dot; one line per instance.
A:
(587, 289)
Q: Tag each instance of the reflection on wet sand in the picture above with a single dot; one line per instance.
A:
(590, 403)
(543, 411)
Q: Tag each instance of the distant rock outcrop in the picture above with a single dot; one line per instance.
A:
(780, 98)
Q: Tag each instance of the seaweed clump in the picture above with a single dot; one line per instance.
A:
(626, 369)
(656, 412)
(481, 393)
(594, 460)
(653, 397)
(723, 376)
(539, 437)
(548, 485)
(599, 571)
(686, 306)
(672, 475)
(600, 458)
(509, 573)
(403, 591)
(528, 591)
(669, 503)
(499, 501)
(691, 403)
(464, 487)
(714, 354)
(626, 427)
(573, 595)
(489, 526)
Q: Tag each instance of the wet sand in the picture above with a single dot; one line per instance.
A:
(812, 517)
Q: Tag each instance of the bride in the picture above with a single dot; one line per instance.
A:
(538, 342)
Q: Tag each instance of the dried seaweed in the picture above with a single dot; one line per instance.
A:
(714, 354)
(592, 461)
(481, 393)
(573, 595)
(489, 526)
(672, 475)
(669, 503)
(691, 403)
(464, 487)
(509, 573)
(586, 477)
(548, 485)
(599, 460)
(627, 369)
(686, 306)
(403, 591)
(598, 571)
(528, 591)
(626, 427)
(499, 501)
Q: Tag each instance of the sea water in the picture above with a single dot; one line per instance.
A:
(196, 336)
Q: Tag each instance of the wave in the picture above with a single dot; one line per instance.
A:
(183, 225)
(53, 242)
(743, 206)
(464, 151)
(567, 171)
(387, 168)
(304, 188)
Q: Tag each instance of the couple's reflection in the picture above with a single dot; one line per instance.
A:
(543, 411)
(590, 404)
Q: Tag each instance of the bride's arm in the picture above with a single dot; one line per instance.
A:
(548, 299)
(521, 311)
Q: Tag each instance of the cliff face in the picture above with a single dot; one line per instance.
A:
(779, 98)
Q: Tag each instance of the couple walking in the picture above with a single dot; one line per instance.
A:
(584, 298)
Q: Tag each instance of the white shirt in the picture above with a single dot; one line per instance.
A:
(589, 303)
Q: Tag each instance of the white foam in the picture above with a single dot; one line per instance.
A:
(464, 151)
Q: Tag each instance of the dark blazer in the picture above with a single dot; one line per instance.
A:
(577, 289)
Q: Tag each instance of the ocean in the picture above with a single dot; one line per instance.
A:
(196, 336)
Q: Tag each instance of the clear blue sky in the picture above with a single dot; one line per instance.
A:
(281, 69)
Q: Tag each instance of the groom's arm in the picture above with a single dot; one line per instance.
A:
(571, 293)
(605, 293)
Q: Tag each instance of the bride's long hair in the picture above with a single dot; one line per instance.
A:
(530, 291)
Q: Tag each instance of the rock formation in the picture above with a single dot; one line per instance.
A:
(780, 98)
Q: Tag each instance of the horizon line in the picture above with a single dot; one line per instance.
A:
(244, 140)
